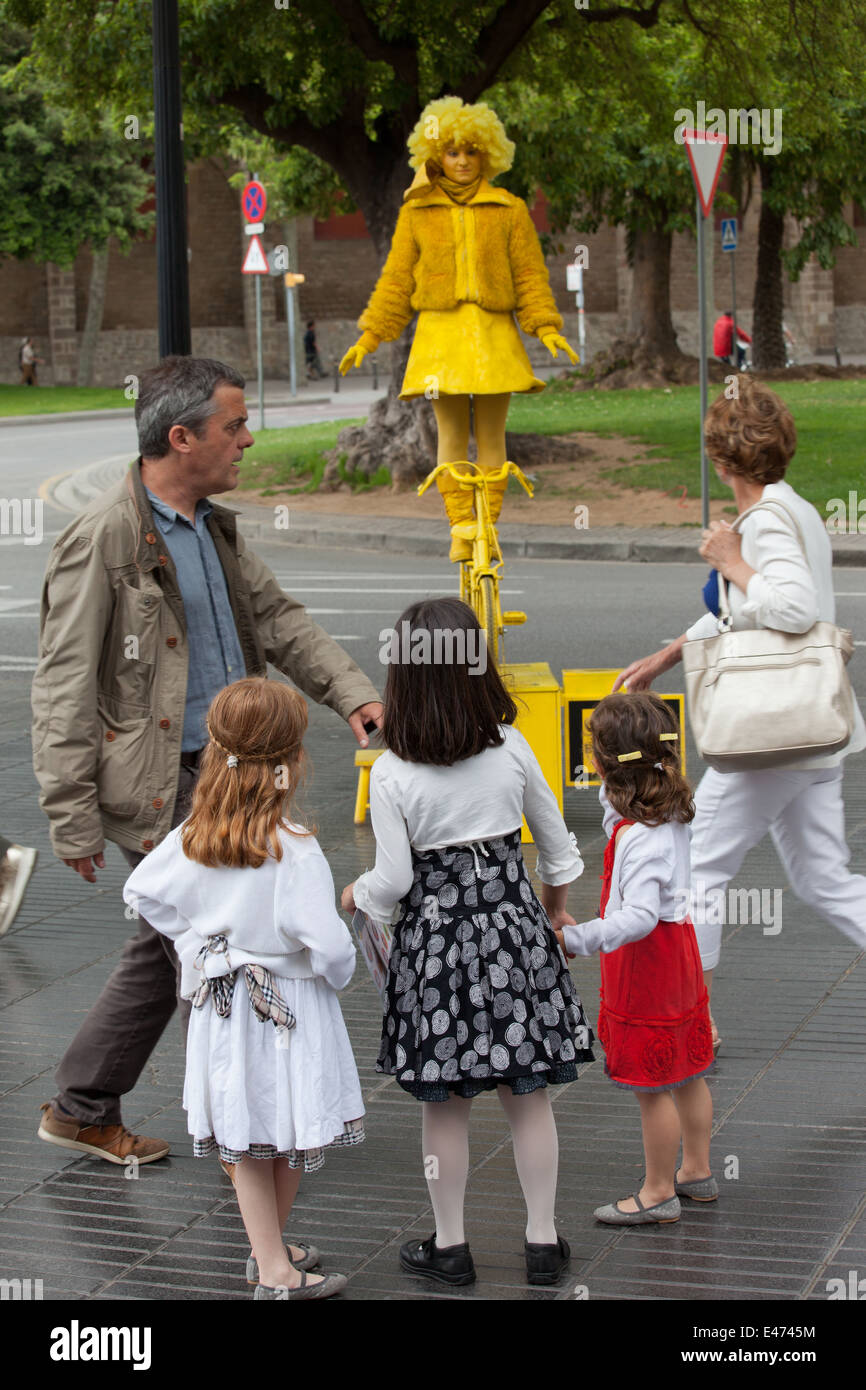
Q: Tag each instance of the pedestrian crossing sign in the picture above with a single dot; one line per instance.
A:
(729, 233)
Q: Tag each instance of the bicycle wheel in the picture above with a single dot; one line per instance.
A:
(489, 615)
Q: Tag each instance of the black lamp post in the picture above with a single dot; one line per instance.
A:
(171, 244)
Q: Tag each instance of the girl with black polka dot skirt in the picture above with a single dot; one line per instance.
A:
(479, 996)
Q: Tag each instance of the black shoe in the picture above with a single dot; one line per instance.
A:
(453, 1265)
(546, 1263)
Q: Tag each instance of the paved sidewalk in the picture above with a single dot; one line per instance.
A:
(788, 1093)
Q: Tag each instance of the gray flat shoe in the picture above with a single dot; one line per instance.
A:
(645, 1216)
(310, 1261)
(331, 1284)
(699, 1189)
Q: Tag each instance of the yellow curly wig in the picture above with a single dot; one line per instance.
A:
(448, 122)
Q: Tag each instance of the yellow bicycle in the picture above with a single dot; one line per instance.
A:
(480, 575)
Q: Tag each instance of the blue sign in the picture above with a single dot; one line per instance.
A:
(729, 233)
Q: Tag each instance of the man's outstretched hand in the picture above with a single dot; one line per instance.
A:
(365, 714)
(87, 866)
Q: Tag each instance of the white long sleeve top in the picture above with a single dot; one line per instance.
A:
(422, 807)
(790, 592)
(650, 883)
(282, 915)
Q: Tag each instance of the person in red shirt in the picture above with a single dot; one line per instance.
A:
(723, 340)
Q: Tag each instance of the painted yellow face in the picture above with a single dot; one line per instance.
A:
(462, 163)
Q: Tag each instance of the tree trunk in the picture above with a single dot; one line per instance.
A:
(93, 322)
(650, 322)
(768, 342)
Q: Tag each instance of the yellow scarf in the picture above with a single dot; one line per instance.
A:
(431, 176)
(459, 192)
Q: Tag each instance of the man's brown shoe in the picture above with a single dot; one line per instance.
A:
(114, 1143)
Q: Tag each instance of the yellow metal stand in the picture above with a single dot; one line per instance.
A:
(364, 760)
(536, 692)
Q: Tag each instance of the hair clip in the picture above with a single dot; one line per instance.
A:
(668, 738)
(628, 757)
(231, 760)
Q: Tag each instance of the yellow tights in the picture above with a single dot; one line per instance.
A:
(452, 421)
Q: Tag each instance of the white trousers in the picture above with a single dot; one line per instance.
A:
(804, 814)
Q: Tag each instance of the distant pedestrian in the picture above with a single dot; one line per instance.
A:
(729, 340)
(27, 361)
(479, 997)
(245, 893)
(315, 370)
(654, 1021)
(17, 863)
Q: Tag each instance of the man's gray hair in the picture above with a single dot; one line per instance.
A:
(178, 392)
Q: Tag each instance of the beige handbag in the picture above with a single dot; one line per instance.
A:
(760, 698)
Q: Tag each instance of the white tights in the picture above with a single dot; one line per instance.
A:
(445, 1140)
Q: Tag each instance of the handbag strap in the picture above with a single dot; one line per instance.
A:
(725, 615)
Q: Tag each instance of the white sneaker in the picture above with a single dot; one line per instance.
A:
(16, 867)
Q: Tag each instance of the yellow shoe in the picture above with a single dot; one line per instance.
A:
(461, 549)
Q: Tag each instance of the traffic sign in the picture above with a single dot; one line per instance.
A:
(705, 150)
(729, 233)
(254, 228)
(255, 261)
(254, 200)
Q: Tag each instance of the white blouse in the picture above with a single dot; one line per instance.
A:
(789, 592)
(650, 883)
(282, 915)
(422, 807)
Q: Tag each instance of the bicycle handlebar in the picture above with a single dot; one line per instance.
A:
(477, 479)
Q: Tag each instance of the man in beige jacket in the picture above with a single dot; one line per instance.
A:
(151, 604)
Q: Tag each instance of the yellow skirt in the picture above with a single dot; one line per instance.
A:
(467, 351)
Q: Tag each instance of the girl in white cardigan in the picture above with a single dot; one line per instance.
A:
(479, 995)
(751, 439)
(247, 897)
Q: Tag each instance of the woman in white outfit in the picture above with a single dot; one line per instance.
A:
(771, 584)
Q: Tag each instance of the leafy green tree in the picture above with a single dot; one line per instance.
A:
(65, 181)
(344, 80)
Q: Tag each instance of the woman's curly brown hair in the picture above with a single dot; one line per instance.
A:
(237, 809)
(637, 788)
(753, 434)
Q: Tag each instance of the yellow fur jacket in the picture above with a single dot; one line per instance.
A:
(443, 253)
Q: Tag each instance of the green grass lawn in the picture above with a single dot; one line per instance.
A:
(830, 458)
(48, 400)
(290, 460)
(829, 461)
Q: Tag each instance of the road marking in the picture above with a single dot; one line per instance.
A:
(399, 588)
(7, 604)
(46, 489)
(853, 594)
(294, 578)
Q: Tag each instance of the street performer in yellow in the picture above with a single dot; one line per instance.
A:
(466, 257)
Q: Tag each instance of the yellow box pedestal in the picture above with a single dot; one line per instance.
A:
(581, 692)
(535, 690)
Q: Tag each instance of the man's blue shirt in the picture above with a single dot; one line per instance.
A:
(215, 655)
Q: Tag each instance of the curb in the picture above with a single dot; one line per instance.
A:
(390, 534)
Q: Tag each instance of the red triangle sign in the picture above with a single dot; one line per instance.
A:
(255, 262)
(705, 150)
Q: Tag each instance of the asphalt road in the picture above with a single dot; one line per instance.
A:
(787, 1090)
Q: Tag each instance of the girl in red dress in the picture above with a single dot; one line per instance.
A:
(653, 1020)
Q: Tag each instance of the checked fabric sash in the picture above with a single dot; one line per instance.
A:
(265, 998)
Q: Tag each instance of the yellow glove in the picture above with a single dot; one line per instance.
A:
(367, 342)
(554, 341)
